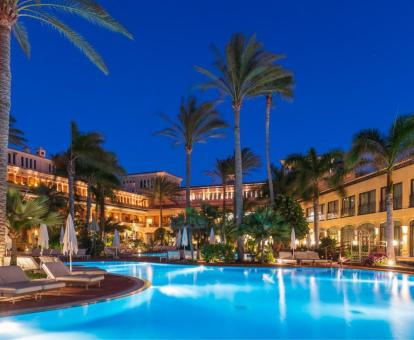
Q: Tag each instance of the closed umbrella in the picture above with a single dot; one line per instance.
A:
(184, 239)
(212, 238)
(93, 227)
(293, 241)
(43, 240)
(116, 242)
(62, 235)
(178, 240)
(70, 243)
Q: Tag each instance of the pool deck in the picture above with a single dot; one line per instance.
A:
(112, 287)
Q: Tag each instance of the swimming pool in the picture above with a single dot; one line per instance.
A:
(213, 302)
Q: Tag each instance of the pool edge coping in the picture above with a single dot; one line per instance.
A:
(128, 292)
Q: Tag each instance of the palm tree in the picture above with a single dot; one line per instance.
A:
(378, 151)
(284, 88)
(11, 14)
(312, 173)
(195, 123)
(243, 73)
(102, 167)
(16, 136)
(25, 213)
(162, 191)
(222, 172)
(250, 162)
(84, 149)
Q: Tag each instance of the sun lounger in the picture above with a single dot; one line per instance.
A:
(109, 252)
(173, 255)
(14, 283)
(35, 252)
(75, 269)
(311, 257)
(81, 254)
(59, 272)
(187, 255)
(286, 257)
(24, 262)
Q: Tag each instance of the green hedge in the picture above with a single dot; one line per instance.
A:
(217, 252)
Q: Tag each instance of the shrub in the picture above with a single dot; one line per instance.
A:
(217, 252)
(376, 259)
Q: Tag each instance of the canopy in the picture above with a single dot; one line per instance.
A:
(43, 240)
(293, 240)
(184, 240)
(70, 243)
(212, 238)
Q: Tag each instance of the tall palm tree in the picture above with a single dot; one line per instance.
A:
(378, 151)
(250, 162)
(162, 191)
(284, 88)
(244, 72)
(25, 213)
(196, 123)
(313, 172)
(95, 169)
(11, 14)
(83, 149)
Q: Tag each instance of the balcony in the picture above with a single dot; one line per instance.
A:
(349, 211)
(368, 208)
(332, 215)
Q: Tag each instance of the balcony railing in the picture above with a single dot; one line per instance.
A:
(332, 215)
(348, 212)
(367, 208)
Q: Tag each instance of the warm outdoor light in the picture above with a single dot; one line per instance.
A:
(376, 231)
(395, 243)
(279, 261)
(391, 263)
(404, 229)
(355, 242)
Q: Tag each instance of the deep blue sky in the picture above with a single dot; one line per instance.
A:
(353, 62)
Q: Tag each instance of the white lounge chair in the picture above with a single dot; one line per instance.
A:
(24, 262)
(59, 272)
(14, 283)
(187, 255)
(311, 257)
(75, 269)
(173, 255)
(286, 257)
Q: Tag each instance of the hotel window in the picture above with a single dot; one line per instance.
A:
(30, 163)
(14, 158)
(348, 206)
(27, 162)
(22, 161)
(9, 158)
(366, 202)
(412, 193)
(309, 212)
(34, 165)
(322, 211)
(397, 196)
(383, 200)
(333, 209)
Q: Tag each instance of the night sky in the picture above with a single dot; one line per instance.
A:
(352, 61)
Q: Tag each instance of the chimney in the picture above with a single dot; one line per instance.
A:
(41, 152)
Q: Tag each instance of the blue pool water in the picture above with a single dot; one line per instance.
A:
(206, 302)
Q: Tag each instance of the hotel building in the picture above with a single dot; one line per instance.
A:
(357, 219)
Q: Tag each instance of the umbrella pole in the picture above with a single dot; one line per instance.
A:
(70, 261)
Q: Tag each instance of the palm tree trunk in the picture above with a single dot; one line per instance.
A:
(5, 103)
(316, 220)
(88, 204)
(267, 147)
(187, 195)
(238, 186)
(390, 223)
(102, 214)
(71, 175)
(187, 180)
(160, 214)
(224, 189)
(13, 253)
